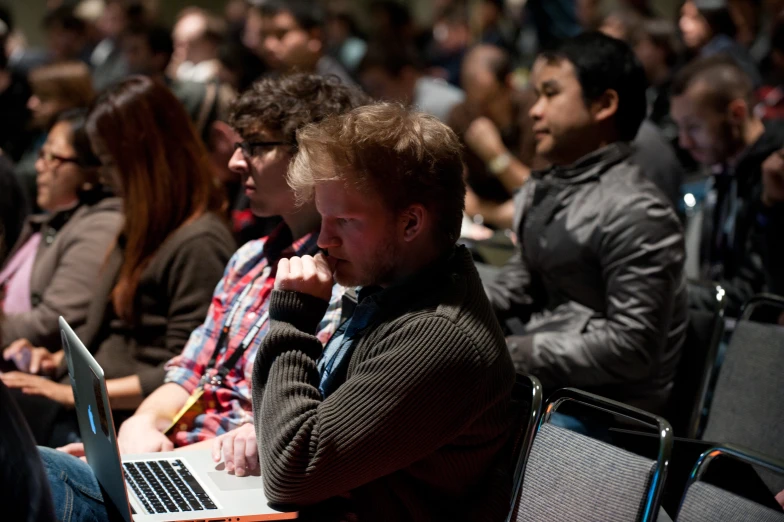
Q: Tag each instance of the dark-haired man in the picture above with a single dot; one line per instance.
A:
(712, 105)
(293, 39)
(595, 293)
(406, 414)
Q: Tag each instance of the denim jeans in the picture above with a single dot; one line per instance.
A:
(75, 491)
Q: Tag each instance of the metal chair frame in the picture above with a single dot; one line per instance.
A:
(732, 451)
(534, 413)
(656, 486)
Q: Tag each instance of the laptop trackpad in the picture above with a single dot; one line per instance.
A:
(230, 482)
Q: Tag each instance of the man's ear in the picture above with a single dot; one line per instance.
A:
(738, 111)
(222, 138)
(605, 106)
(315, 40)
(413, 221)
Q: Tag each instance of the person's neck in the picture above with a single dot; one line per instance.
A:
(63, 207)
(302, 221)
(503, 113)
(660, 75)
(582, 150)
(419, 257)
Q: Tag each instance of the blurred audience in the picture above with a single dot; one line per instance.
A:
(708, 29)
(15, 135)
(107, 59)
(771, 95)
(393, 73)
(66, 35)
(343, 40)
(197, 37)
(13, 208)
(494, 124)
(294, 40)
(595, 296)
(712, 102)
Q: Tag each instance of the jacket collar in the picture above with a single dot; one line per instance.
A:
(589, 166)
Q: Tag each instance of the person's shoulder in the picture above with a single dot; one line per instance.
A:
(207, 231)
(465, 310)
(626, 187)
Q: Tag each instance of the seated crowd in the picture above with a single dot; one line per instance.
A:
(268, 232)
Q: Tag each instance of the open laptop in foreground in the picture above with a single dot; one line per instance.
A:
(154, 487)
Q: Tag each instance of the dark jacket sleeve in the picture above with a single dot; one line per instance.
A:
(749, 277)
(313, 449)
(82, 254)
(196, 268)
(641, 252)
(510, 292)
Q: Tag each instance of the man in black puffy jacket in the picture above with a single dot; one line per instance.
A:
(595, 296)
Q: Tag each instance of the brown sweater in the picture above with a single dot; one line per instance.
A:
(174, 294)
(419, 428)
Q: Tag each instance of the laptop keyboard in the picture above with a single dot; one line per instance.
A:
(165, 486)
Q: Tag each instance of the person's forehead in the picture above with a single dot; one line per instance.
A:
(285, 19)
(189, 27)
(561, 71)
(693, 101)
(342, 198)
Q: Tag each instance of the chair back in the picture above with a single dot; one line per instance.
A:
(573, 477)
(703, 501)
(698, 358)
(747, 404)
(527, 394)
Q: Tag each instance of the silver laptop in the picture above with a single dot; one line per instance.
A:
(154, 487)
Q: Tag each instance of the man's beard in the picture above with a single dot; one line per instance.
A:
(378, 269)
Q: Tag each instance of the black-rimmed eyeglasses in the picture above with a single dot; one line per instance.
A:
(255, 148)
(49, 157)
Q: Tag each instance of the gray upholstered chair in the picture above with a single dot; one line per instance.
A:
(572, 477)
(528, 396)
(747, 403)
(704, 502)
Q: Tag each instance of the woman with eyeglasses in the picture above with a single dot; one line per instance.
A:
(156, 283)
(51, 268)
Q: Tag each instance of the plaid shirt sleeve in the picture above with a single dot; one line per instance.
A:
(184, 369)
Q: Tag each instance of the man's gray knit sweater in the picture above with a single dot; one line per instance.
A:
(420, 428)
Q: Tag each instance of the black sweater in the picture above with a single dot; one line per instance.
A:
(418, 429)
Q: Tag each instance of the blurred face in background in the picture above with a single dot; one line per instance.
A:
(59, 176)
(694, 28)
(707, 133)
(44, 108)
(189, 41)
(113, 20)
(289, 46)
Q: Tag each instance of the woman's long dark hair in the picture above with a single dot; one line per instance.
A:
(163, 170)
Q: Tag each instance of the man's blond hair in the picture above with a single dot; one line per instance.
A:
(406, 157)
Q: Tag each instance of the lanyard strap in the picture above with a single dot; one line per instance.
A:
(221, 344)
